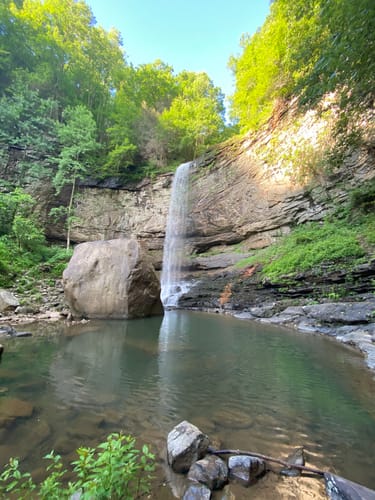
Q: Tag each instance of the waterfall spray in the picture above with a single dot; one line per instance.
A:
(172, 285)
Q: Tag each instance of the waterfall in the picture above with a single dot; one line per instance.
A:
(172, 285)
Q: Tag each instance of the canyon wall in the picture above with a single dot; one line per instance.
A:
(244, 191)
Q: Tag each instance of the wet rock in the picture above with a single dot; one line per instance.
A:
(12, 408)
(8, 302)
(111, 279)
(245, 469)
(339, 488)
(185, 445)
(7, 330)
(265, 311)
(295, 458)
(233, 419)
(197, 492)
(211, 471)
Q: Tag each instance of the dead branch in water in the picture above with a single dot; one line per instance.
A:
(302, 468)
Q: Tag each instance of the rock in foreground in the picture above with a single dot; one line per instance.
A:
(185, 445)
(111, 279)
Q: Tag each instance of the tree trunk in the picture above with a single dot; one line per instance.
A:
(70, 207)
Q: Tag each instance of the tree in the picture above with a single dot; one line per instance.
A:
(28, 125)
(305, 48)
(77, 138)
(195, 118)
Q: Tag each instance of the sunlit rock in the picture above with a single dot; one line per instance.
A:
(245, 469)
(111, 279)
(185, 445)
(197, 492)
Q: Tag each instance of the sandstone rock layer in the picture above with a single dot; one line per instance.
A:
(111, 279)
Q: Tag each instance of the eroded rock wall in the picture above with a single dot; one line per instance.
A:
(243, 191)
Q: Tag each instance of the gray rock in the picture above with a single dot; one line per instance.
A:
(341, 312)
(245, 469)
(185, 445)
(7, 330)
(339, 488)
(111, 279)
(8, 301)
(197, 492)
(211, 471)
(218, 261)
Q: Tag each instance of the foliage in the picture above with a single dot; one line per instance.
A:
(55, 58)
(114, 469)
(195, 118)
(27, 125)
(363, 198)
(77, 138)
(310, 245)
(305, 49)
(23, 249)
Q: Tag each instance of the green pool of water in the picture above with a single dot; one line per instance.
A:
(245, 384)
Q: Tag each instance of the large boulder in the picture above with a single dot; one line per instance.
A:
(111, 279)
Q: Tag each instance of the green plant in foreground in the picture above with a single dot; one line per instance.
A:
(114, 469)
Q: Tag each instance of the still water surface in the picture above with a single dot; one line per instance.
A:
(246, 385)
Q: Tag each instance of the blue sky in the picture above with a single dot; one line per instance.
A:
(196, 35)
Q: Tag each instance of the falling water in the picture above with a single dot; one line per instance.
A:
(172, 285)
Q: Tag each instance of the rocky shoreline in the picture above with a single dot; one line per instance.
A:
(310, 303)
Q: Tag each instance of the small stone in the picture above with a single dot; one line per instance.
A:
(211, 471)
(295, 458)
(245, 469)
(197, 492)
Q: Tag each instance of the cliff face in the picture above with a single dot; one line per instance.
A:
(250, 190)
(240, 199)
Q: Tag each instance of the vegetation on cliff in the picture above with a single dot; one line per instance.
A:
(306, 49)
(72, 106)
(345, 239)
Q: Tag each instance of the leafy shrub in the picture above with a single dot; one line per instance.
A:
(115, 469)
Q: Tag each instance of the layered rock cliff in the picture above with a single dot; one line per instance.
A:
(249, 190)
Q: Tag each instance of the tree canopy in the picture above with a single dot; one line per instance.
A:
(305, 48)
(53, 57)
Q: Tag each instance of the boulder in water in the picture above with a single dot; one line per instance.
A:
(111, 279)
(339, 488)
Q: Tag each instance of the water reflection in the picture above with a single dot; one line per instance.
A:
(89, 369)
